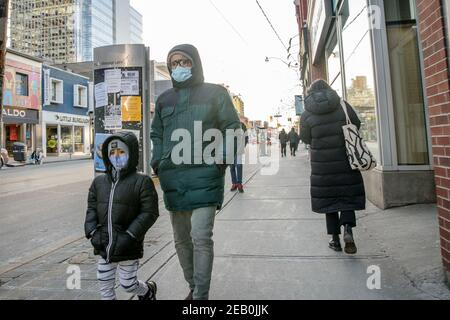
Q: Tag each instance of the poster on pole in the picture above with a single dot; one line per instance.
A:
(98, 156)
(132, 109)
(101, 95)
(113, 117)
(130, 83)
(113, 79)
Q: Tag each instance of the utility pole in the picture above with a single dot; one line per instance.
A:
(4, 10)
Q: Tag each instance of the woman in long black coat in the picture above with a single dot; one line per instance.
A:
(335, 187)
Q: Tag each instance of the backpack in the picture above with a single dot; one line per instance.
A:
(358, 153)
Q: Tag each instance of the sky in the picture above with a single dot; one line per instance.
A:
(232, 52)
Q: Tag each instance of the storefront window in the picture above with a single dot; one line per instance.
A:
(79, 139)
(52, 139)
(66, 139)
(334, 66)
(13, 134)
(407, 87)
(29, 136)
(358, 66)
(21, 84)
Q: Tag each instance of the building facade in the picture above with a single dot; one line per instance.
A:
(21, 100)
(65, 113)
(68, 31)
(389, 60)
(238, 104)
(434, 21)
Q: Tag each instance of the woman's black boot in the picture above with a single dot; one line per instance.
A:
(350, 246)
(335, 243)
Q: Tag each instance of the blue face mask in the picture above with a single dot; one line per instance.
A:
(119, 162)
(181, 74)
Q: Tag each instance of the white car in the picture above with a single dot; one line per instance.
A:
(4, 159)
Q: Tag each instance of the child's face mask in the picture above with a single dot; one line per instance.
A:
(119, 159)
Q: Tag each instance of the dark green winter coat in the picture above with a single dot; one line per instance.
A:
(192, 184)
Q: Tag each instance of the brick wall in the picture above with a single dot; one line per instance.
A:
(433, 37)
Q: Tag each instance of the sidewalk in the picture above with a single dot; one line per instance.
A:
(64, 158)
(268, 245)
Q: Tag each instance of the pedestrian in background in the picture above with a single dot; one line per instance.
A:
(192, 191)
(293, 141)
(335, 187)
(122, 206)
(237, 168)
(283, 137)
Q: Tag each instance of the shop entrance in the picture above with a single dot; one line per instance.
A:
(13, 134)
(52, 140)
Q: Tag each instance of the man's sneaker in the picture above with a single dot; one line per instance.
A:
(234, 187)
(151, 294)
(190, 295)
(240, 188)
(350, 246)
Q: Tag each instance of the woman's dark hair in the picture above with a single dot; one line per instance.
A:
(318, 85)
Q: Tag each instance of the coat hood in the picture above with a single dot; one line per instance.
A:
(197, 70)
(133, 145)
(322, 99)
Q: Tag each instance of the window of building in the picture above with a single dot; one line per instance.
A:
(358, 68)
(407, 84)
(80, 96)
(21, 84)
(66, 139)
(79, 139)
(57, 91)
(334, 65)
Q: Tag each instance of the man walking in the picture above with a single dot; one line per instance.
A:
(283, 137)
(192, 191)
(293, 141)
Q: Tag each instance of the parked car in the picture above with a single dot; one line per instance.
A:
(4, 159)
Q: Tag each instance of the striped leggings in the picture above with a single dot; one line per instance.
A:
(106, 275)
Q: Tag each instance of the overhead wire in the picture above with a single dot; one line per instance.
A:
(228, 22)
(271, 25)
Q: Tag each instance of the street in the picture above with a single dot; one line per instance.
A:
(268, 243)
(42, 208)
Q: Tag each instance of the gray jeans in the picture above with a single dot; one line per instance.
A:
(193, 233)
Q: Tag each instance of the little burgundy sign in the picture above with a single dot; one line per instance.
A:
(71, 119)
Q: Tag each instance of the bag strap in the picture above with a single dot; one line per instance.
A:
(344, 107)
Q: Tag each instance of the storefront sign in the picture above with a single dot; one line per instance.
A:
(47, 84)
(16, 115)
(320, 21)
(71, 119)
(299, 105)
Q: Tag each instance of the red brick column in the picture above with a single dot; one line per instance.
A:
(435, 54)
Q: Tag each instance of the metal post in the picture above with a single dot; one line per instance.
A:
(4, 13)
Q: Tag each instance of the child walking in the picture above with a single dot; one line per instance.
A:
(122, 207)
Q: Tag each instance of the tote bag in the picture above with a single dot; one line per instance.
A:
(358, 153)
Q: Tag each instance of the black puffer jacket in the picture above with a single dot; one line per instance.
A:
(335, 186)
(121, 212)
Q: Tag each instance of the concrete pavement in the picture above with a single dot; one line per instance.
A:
(269, 245)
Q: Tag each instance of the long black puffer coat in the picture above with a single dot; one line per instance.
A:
(121, 212)
(335, 187)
